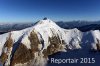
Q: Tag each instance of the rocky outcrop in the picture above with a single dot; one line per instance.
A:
(96, 47)
(6, 54)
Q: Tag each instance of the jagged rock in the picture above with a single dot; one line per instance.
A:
(5, 57)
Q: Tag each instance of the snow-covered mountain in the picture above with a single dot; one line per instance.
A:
(31, 46)
(28, 46)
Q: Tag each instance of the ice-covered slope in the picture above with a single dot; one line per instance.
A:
(28, 46)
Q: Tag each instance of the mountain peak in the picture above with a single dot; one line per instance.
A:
(45, 18)
(45, 21)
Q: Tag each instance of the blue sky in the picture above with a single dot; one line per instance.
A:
(57, 10)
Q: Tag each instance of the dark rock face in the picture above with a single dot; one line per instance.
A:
(25, 55)
(98, 45)
(22, 55)
(34, 41)
(55, 46)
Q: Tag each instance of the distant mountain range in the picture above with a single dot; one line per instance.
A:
(81, 25)
(4, 28)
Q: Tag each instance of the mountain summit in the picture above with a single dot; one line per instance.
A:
(45, 18)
